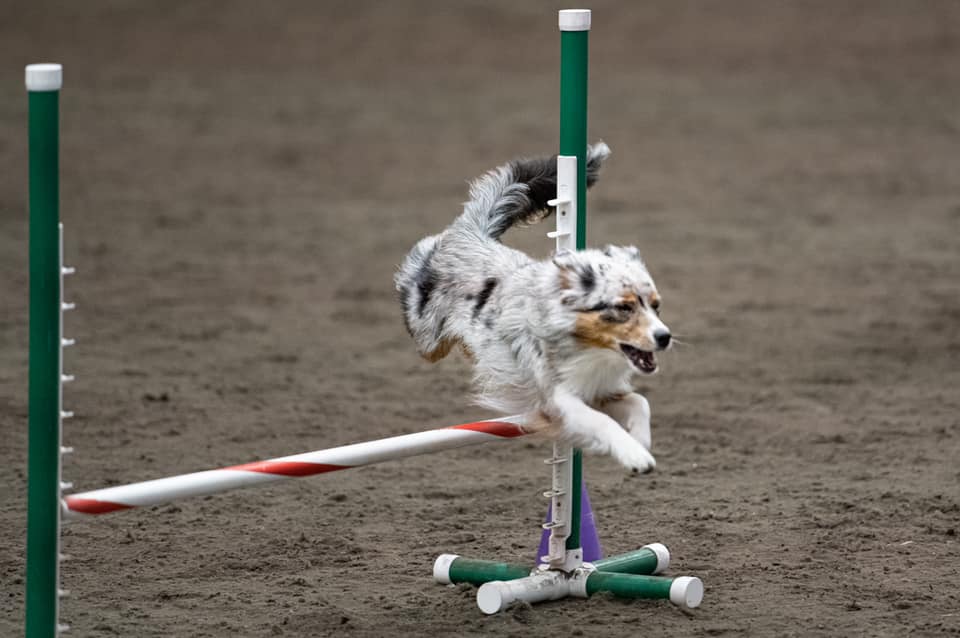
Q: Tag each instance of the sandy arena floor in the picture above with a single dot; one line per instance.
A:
(240, 180)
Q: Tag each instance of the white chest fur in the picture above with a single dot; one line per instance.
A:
(595, 374)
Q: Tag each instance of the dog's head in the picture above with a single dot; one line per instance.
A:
(615, 302)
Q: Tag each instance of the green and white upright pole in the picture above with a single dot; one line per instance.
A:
(46, 341)
(562, 572)
(564, 551)
(574, 62)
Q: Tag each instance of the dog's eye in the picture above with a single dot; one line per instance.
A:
(655, 304)
(624, 307)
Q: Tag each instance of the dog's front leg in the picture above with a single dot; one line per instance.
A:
(595, 431)
(632, 411)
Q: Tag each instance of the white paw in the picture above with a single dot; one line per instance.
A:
(635, 457)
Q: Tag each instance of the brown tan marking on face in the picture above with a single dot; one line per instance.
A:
(593, 332)
(602, 329)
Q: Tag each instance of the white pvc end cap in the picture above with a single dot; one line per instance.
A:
(575, 20)
(686, 591)
(44, 77)
(663, 556)
(490, 597)
(441, 568)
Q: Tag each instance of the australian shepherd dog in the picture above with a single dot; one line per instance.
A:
(557, 340)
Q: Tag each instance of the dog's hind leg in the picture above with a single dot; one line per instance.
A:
(632, 412)
(595, 431)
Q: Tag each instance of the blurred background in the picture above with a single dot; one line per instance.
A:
(240, 179)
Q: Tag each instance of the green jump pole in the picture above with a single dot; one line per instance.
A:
(43, 468)
(574, 46)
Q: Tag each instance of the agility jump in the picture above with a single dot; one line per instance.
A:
(158, 491)
(562, 571)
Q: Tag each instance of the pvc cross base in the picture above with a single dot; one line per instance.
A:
(628, 575)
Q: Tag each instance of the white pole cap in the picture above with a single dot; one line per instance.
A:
(686, 591)
(494, 596)
(663, 556)
(441, 568)
(44, 77)
(575, 20)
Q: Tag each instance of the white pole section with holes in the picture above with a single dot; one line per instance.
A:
(561, 492)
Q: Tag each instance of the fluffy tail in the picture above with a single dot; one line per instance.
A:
(518, 192)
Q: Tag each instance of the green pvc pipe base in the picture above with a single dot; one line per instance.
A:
(629, 575)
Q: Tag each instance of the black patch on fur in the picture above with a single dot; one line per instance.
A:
(484, 295)
(539, 174)
(588, 279)
(426, 280)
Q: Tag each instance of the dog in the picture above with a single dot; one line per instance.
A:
(557, 340)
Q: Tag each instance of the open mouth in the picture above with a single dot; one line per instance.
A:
(641, 359)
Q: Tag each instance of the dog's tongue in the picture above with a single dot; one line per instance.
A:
(644, 361)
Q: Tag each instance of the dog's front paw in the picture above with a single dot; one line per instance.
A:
(635, 457)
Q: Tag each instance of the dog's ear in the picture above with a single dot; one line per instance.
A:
(580, 272)
(573, 262)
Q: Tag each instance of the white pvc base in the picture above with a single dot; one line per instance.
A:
(494, 596)
(551, 584)
(686, 591)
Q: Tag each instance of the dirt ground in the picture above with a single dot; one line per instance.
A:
(240, 181)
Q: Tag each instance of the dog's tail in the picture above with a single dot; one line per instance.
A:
(518, 192)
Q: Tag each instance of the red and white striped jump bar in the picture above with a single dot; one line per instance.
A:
(163, 490)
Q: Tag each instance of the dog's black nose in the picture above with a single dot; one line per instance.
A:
(663, 339)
